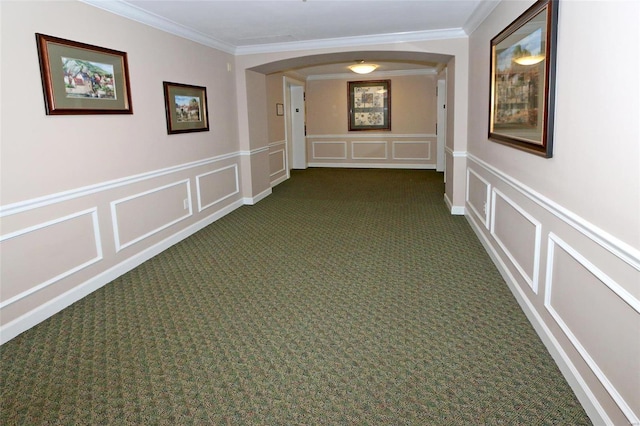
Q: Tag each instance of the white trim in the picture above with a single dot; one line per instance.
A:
(30, 319)
(114, 214)
(483, 10)
(532, 281)
(254, 200)
(134, 13)
(397, 73)
(98, 242)
(277, 143)
(584, 394)
(375, 165)
(393, 150)
(254, 151)
(622, 250)
(487, 200)
(198, 192)
(634, 303)
(284, 162)
(279, 180)
(368, 135)
(22, 206)
(449, 33)
(384, 143)
(455, 210)
(313, 149)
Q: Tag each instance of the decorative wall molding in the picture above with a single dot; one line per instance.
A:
(47, 200)
(11, 329)
(620, 249)
(398, 73)
(393, 148)
(317, 143)
(198, 186)
(98, 244)
(553, 242)
(356, 143)
(487, 199)
(282, 154)
(589, 401)
(532, 280)
(114, 214)
(371, 135)
(375, 165)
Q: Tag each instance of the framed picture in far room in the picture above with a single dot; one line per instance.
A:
(523, 58)
(79, 78)
(186, 108)
(369, 105)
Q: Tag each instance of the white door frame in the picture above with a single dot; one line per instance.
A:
(295, 124)
(441, 136)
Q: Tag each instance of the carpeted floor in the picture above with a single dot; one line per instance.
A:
(347, 297)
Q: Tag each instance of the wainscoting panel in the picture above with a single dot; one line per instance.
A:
(518, 234)
(587, 308)
(141, 215)
(369, 150)
(336, 150)
(412, 150)
(217, 185)
(373, 150)
(278, 168)
(478, 196)
(581, 297)
(43, 254)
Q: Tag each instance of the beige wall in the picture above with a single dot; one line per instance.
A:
(85, 198)
(565, 231)
(410, 143)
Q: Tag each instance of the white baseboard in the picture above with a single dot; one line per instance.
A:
(455, 210)
(587, 399)
(375, 165)
(23, 323)
(253, 200)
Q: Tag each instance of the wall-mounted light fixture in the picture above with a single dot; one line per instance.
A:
(362, 68)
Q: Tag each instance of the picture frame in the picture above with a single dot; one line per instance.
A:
(79, 78)
(369, 105)
(186, 108)
(523, 61)
(279, 109)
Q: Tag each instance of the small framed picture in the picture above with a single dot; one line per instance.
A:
(79, 78)
(369, 105)
(186, 108)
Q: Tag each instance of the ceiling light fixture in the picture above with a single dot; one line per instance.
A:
(362, 68)
(529, 60)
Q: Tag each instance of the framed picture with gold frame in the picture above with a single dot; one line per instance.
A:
(369, 105)
(79, 78)
(523, 59)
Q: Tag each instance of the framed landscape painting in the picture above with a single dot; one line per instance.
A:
(369, 105)
(186, 108)
(79, 78)
(523, 58)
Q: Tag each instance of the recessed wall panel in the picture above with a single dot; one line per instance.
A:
(329, 150)
(142, 215)
(412, 150)
(36, 257)
(518, 234)
(216, 186)
(368, 150)
(478, 193)
(600, 318)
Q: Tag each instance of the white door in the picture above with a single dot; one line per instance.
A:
(442, 124)
(298, 139)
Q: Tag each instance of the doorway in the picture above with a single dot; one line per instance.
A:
(295, 124)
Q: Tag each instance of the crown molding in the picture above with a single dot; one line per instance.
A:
(483, 10)
(134, 13)
(352, 41)
(398, 73)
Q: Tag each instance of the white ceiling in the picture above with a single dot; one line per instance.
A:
(256, 26)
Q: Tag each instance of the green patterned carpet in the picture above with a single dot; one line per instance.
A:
(347, 297)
